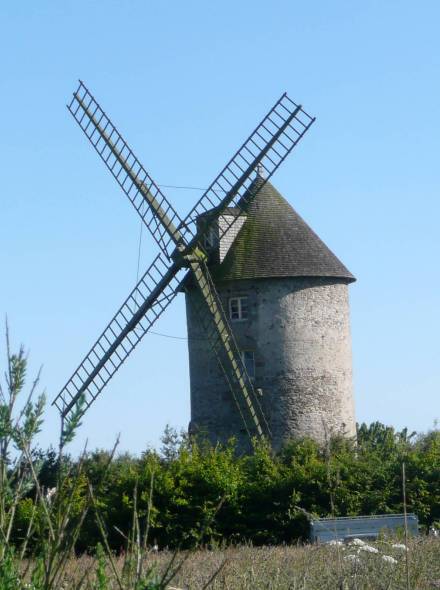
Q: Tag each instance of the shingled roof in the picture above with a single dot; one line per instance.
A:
(276, 242)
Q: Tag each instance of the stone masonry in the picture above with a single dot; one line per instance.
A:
(297, 328)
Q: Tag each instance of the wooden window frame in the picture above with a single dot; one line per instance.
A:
(241, 313)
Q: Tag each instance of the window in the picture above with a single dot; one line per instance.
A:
(247, 356)
(238, 308)
(210, 238)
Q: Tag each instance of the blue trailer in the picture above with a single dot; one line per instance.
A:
(324, 530)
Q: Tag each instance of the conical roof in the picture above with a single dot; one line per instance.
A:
(276, 242)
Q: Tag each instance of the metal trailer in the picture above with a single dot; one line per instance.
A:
(324, 530)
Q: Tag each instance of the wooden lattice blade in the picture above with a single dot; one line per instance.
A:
(151, 296)
(264, 151)
(151, 204)
(222, 341)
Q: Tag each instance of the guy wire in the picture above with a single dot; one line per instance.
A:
(137, 280)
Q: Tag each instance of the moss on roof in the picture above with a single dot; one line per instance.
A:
(276, 242)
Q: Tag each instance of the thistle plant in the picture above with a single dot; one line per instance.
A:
(54, 521)
(18, 427)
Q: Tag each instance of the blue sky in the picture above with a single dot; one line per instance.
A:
(185, 83)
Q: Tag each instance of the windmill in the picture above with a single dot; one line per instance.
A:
(182, 245)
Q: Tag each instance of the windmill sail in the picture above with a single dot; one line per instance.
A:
(265, 149)
(222, 341)
(148, 300)
(151, 204)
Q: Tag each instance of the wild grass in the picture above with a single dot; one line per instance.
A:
(308, 567)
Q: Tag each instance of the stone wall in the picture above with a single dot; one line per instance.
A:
(299, 331)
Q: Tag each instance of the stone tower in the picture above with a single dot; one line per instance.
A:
(286, 297)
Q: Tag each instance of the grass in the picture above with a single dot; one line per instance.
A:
(306, 567)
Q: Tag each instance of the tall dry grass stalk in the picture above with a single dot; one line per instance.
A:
(405, 514)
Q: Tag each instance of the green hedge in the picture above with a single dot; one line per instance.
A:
(210, 495)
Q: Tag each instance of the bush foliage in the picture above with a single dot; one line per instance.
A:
(192, 493)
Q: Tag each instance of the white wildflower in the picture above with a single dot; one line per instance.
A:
(50, 493)
(368, 548)
(400, 546)
(389, 559)
(352, 558)
(335, 543)
(358, 542)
